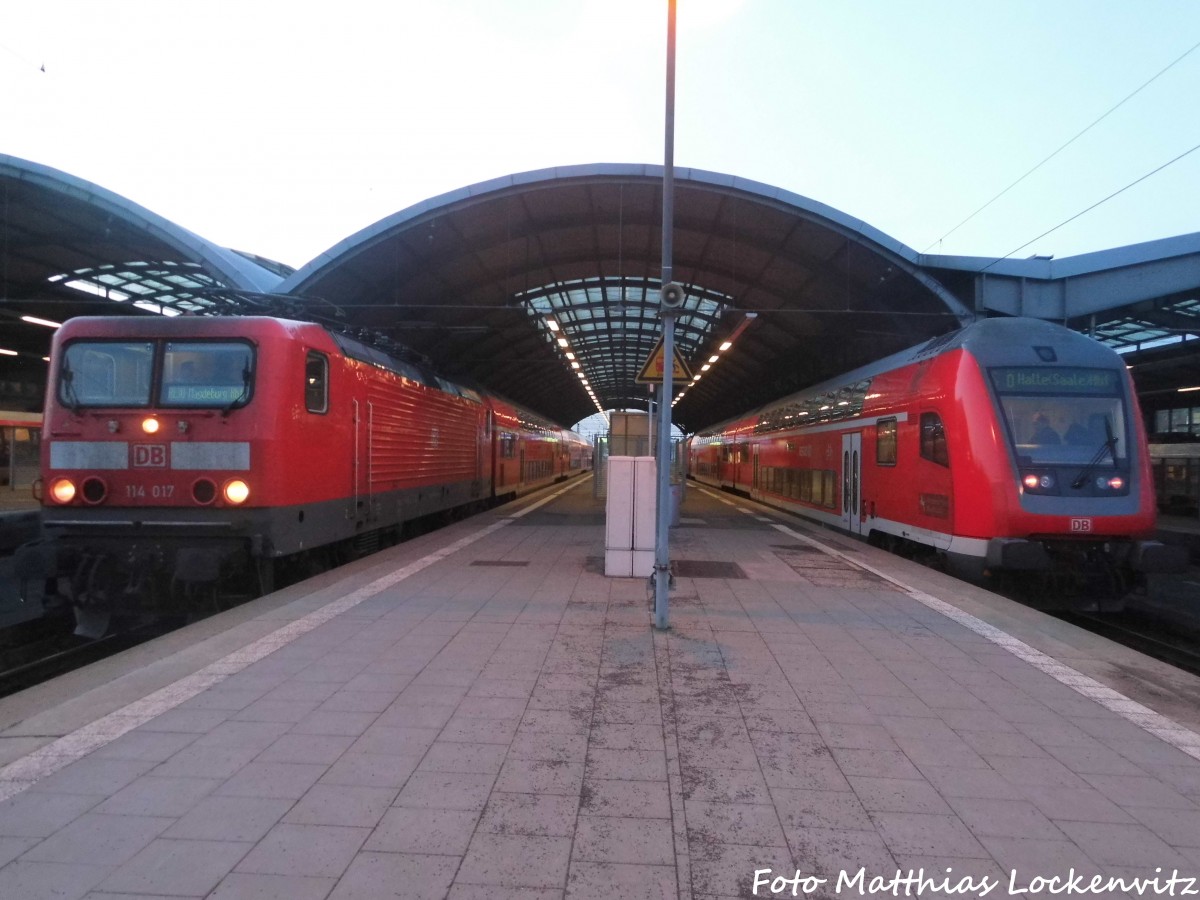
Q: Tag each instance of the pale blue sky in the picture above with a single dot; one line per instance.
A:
(280, 129)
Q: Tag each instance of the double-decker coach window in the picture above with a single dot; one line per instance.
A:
(206, 374)
(106, 373)
(933, 439)
(885, 442)
(316, 382)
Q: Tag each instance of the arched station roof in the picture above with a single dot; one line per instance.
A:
(73, 248)
(470, 280)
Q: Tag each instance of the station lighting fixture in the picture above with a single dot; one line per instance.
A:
(556, 331)
(34, 320)
(4, 352)
(715, 358)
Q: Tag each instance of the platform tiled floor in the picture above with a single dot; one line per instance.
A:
(505, 730)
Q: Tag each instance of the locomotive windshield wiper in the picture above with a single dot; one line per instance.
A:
(69, 395)
(240, 397)
(1109, 446)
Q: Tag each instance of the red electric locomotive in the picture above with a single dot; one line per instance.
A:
(193, 449)
(1013, 444)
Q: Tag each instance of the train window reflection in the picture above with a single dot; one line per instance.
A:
(1065, 430)
(933, 439)
(1062, 415)
(207, 374)
(885, 442)
(316, 382)
(106, 373)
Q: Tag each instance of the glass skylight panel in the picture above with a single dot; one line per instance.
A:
(155, 285)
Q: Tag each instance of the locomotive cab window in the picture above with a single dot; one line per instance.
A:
(206, 374)
(933, 439)
(106, 373)
(316, 382)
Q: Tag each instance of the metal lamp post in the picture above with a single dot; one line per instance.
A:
(671, 298)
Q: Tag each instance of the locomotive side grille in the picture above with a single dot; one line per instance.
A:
(367, 543)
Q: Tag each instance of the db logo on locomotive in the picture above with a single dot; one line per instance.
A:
(150, 456)
(1081, 525)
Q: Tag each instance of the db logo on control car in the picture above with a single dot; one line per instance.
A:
(1078, 525)
(150, 456)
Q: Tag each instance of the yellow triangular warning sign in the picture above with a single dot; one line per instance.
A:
(652, 370)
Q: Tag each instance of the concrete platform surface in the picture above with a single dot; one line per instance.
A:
(481, 713)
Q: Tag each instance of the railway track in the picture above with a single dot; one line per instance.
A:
(1145, 632)
(26, 664)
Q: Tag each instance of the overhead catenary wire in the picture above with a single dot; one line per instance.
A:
(1096, 122)
(1093, 206)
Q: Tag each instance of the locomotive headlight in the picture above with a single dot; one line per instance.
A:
(150, 425)
(62, 490)
(1115, 483)
(236, 492)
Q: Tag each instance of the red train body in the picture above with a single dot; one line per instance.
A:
(943, 447)
(193, 447)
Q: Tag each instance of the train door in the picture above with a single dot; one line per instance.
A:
(754, 455)
(483, 440)
(362, 452)
(852, 482)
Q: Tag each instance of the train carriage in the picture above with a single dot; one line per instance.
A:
(1010, 445)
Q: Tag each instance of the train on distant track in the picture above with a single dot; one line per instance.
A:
(1012, 445)
(1176, 462)
(194, 450)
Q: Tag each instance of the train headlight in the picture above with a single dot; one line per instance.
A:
(1110, 483)
(62, 490)
(1035, 481)
(236, 492)
(150, 425)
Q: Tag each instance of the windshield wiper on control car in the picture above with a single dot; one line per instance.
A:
(1109, 446)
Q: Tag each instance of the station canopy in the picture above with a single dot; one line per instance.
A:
(544, 287)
